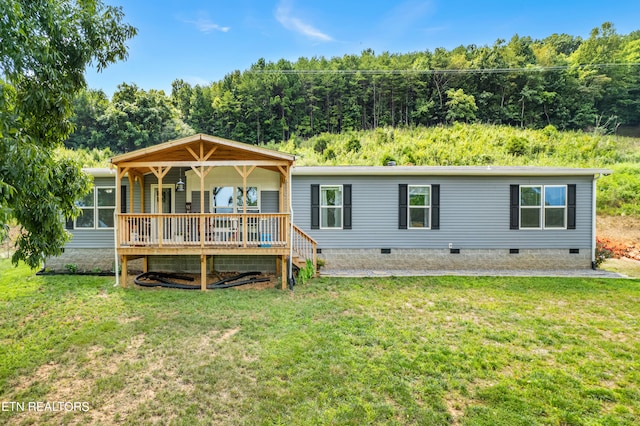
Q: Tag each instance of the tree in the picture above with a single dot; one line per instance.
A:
(46, 47)
(461, 107)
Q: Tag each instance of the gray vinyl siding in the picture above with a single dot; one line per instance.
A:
(474, 213)
(94, 238)
(169, 179)
(195, 202)
(269, 201)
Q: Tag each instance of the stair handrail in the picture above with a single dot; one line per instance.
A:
(304, 246)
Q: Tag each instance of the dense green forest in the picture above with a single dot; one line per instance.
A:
(464, 144)
(562, 80)
(559, 101)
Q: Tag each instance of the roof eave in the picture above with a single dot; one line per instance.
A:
(444, 171)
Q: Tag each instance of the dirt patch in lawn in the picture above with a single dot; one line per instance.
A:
(621, 235)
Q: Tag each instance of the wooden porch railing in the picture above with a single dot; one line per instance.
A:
(195, 229)
(304, 247)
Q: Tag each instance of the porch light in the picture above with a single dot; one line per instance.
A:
(180, 184)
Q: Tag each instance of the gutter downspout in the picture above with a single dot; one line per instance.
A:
(290, 279)
(593, 222)
(115, 247)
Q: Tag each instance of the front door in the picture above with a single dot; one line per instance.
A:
(168, 203)
(168, 206)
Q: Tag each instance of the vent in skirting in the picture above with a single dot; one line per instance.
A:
(319, 250)
(574, 251)
(454, 251)
(514, 251)
(385, 251)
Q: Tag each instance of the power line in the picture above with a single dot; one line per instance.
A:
(530, 69)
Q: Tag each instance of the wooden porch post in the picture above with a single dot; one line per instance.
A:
(283, 271)
(131, 188)
(141, 182)
(159, 210)
(160, 173)
(203, 272)
(202, 223)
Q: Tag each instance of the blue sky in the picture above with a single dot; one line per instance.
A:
(201, 41)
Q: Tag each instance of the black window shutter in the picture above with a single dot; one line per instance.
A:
(515, 207)
(571, 206)
(402, 206)
(346, 206)
(315, 206)
(435, 206)
(123, 199)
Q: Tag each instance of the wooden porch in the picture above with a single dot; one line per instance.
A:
(208, 229)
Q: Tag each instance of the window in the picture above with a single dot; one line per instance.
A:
(419, 206)
(97, 209)
(530, 206)
(543, 206)
(87, 213)
(229, 199)
(331, 207)
(223, 199)
(555, 207)
(250, 198)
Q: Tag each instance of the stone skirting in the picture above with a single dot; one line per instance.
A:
(93, 260)
(245, 263)
(82, 260)
(102, 260)
(466, 259)
(219, 263)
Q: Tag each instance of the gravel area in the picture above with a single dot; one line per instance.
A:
(580, 273)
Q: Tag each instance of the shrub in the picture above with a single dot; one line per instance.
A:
(517, 146)
(306, 273)
(353, 145)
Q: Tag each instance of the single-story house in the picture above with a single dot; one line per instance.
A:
(204, 203)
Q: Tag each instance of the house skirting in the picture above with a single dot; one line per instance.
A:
(87, 260)
(219, 263)
(445, 259)
(102, 260)
(84, 260)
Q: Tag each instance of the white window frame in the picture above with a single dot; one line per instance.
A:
(341, 207)
(539, 207)
(235, 207)
(409, 207)
(565, 207)
(250, 209)
(542, 225)
(95, 209)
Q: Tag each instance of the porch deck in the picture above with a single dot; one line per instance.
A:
(212, 234)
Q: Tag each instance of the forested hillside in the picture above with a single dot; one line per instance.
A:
(480, 144)
(562, 80)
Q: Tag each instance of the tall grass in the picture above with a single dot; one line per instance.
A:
(479, 144)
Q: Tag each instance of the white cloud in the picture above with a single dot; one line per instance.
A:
(284, 16)
(205, 25)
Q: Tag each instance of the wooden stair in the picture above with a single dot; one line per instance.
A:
(299, 262)
(304, 248)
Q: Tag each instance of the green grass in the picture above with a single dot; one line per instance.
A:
(433, 350)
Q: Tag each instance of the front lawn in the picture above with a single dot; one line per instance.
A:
(435, 350)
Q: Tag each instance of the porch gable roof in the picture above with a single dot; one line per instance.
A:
(200, 148)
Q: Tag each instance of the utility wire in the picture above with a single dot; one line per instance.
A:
(529, 69)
